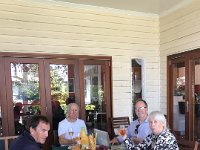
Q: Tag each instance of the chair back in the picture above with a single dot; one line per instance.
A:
(188, 145)
(117, 121)
(6, 139)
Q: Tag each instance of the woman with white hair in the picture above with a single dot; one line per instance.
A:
(160, 138)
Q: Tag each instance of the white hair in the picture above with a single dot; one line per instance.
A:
(69, 106)
(158, 116)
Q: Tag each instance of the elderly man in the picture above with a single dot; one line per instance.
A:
(70, 127)
(36, 134)
(139, 128)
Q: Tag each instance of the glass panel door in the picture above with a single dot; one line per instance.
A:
(97, 95)
(62, 83)
(196, 102)
(184, 94)
(94, 97)
(179, 101)
(59, 86)
(24, 92)
(26, 96)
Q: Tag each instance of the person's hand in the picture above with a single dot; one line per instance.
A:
(114, 141)
(137, 140)
(62, 138)
(64, 141)
(123, 136)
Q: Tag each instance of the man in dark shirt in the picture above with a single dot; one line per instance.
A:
(36, 134)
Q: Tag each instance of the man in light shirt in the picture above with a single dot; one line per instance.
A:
(71, 122)
(139, 128)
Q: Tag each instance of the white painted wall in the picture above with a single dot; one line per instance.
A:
(180, 31)
(56, 27)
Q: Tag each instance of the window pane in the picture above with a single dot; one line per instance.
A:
(94, 96)
(61, 88)
(197, 100)
(26, 97)
(179, 99)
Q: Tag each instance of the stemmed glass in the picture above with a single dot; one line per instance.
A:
(122, 130)
(71, 132)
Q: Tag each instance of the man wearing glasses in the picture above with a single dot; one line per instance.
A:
(139, 128)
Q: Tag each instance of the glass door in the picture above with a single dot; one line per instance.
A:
(184, 95)
(60, 88)
(179, 99)
(25, 90)
(196, 100)
(97, 95)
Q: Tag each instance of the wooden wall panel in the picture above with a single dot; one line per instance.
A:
(64, 28)
(180, 31)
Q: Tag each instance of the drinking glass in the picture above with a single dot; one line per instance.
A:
(71, 132)
(122, 130)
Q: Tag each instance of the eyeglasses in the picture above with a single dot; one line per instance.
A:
(136, 129)
(140, 108)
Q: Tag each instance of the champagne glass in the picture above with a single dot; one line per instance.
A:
(122, 130)
(71, 132)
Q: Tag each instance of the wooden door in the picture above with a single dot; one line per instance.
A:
(60, 85)
(25, 91)
(184, 94)
(96, 94)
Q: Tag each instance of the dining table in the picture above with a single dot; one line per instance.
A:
(113, 147)
(117, 147)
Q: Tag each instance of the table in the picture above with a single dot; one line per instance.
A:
(117, 147)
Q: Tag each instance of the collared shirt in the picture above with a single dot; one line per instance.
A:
(143, 130)
(25, 142)
(163, 141)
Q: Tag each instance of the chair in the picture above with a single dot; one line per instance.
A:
(188, 145)
(117, 121)
(6, 140)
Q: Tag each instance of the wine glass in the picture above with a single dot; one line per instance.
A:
(71, 132)
(122, 130)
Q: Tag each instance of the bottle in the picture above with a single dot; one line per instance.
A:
(84, 138)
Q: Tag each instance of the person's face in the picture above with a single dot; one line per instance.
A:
(141, 110)
(156, 126)
(74, 112)
(40, 133)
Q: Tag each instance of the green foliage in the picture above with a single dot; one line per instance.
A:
(31, 91)
(28, 85)
(89, 107)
